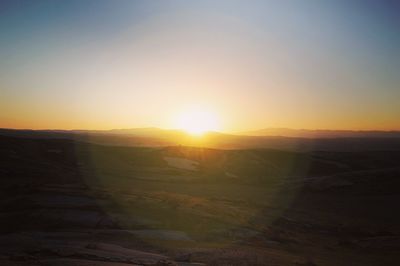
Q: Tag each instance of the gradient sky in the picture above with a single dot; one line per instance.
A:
(122, 64)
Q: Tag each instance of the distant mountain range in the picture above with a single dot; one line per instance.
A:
(287, 139)
(321, 133)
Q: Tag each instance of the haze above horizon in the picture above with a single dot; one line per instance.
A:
(229, 66)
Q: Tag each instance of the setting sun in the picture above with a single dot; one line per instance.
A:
(198, 121)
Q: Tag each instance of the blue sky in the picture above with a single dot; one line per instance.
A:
(107, 64)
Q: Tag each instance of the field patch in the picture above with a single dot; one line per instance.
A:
(182, 163)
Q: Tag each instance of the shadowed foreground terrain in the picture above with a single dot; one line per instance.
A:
(67, 202)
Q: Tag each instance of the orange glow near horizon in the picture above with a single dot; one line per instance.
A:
(185, 120)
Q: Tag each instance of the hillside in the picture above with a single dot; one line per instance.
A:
(66, 202)
(153, 137)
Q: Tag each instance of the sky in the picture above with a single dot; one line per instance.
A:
(93, 64)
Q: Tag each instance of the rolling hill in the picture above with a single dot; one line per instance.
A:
(154, 137)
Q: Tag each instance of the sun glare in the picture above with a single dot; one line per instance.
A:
(198, 121)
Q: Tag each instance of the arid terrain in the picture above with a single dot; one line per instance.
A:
(69, 201)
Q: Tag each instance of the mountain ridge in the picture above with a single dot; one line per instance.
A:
(320, 133)
(160, 137)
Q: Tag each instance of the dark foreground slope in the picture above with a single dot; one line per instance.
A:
(64, 202)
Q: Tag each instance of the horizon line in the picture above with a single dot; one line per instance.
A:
(217, 131)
